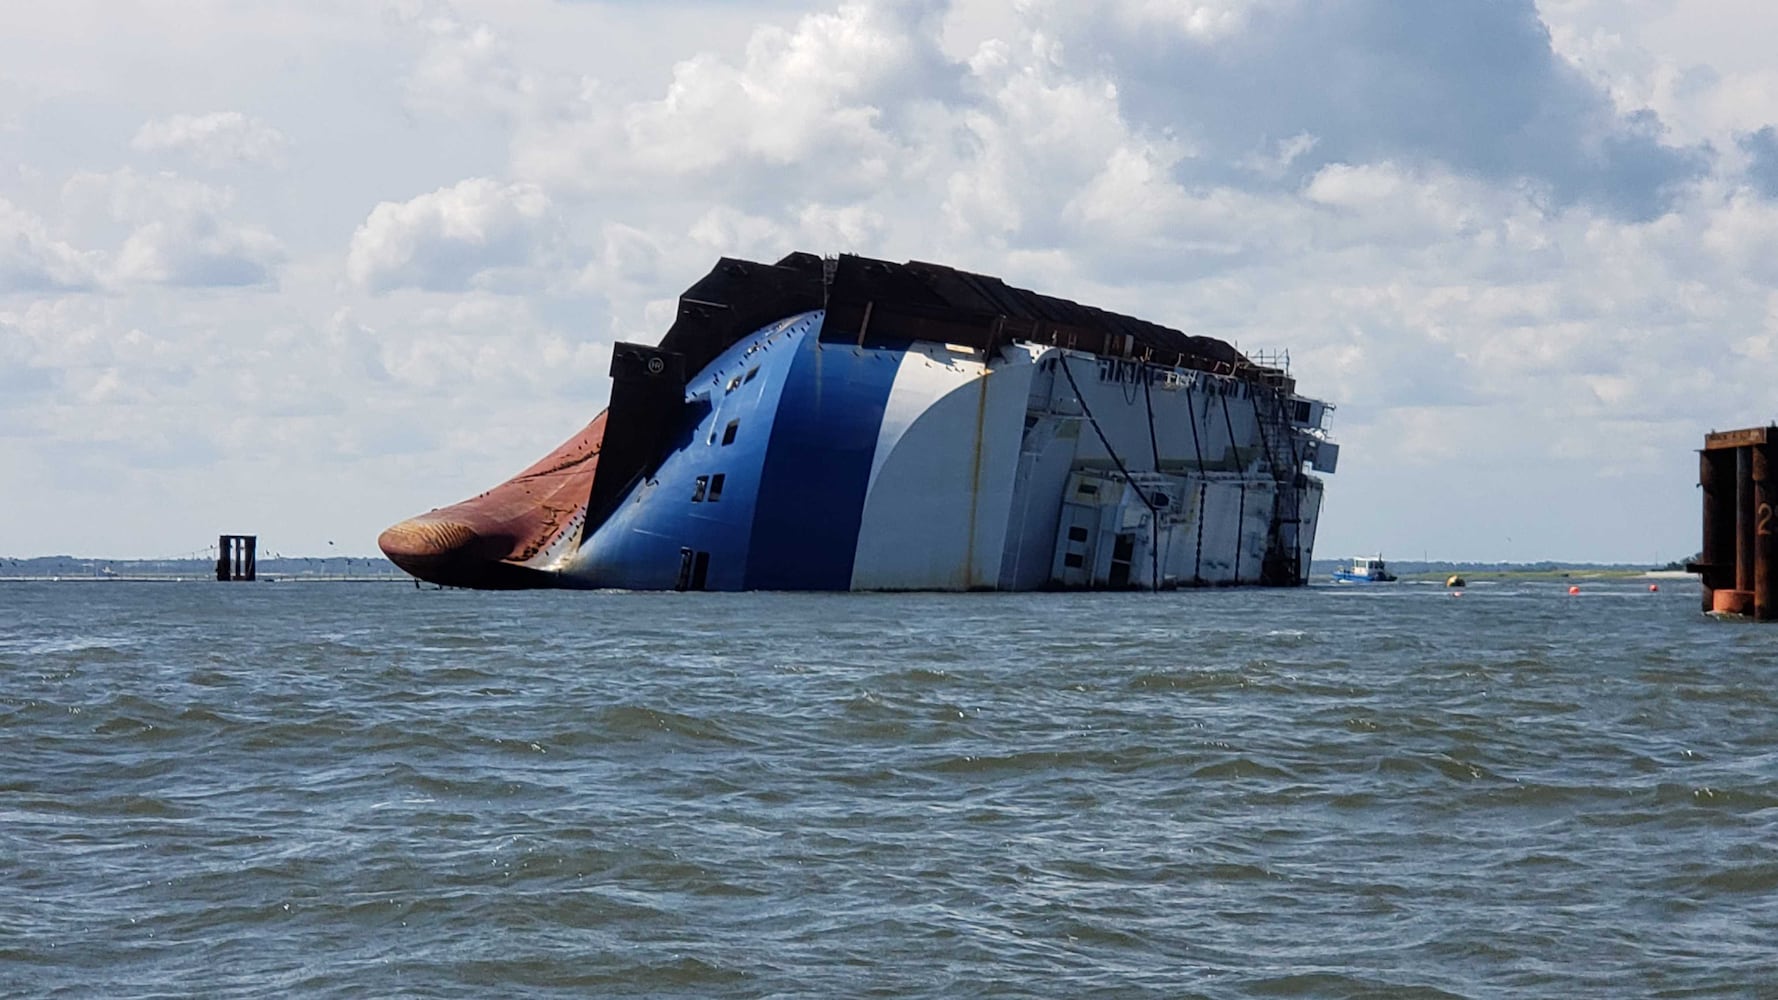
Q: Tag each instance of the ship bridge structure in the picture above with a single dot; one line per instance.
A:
(857, 424)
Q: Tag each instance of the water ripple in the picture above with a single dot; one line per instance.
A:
(337, 791)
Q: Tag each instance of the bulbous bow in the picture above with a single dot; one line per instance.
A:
(505, 538)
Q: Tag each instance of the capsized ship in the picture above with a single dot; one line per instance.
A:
(856, 424)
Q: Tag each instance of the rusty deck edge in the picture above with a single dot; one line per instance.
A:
(1740, 439)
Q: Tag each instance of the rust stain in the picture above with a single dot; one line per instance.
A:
(975, 483)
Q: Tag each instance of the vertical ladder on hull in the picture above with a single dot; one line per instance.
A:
(1283, 564)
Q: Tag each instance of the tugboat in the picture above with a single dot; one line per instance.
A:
(1364, 569)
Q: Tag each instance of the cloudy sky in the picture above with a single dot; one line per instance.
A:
(306, 267)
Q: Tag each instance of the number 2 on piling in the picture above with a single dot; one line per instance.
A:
(1763, 521)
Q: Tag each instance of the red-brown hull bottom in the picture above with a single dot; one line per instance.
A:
(484, 542)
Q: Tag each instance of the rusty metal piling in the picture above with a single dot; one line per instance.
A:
(1765, 535)
(1738, 564)
(235, 557)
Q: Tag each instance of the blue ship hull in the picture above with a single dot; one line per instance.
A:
(884, 442)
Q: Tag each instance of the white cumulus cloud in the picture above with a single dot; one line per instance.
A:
(1192, 18)
(181, 231)
(844, 86)
(31, 260)
(473, 234)
(219, 139)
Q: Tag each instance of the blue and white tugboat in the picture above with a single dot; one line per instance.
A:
(1364, 569)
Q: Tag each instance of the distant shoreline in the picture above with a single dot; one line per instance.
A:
(1551, 574)
(205, 578)
(376, 569)
(279, 568)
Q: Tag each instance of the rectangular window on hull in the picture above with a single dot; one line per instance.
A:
(728, 433)
(694, 569)
(716, 487)
(698, 489)
(1077, 534)
(1074, 560)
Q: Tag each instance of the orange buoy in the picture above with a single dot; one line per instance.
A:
(1573, 590)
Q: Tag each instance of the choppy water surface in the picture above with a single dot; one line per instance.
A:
(368, 790)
